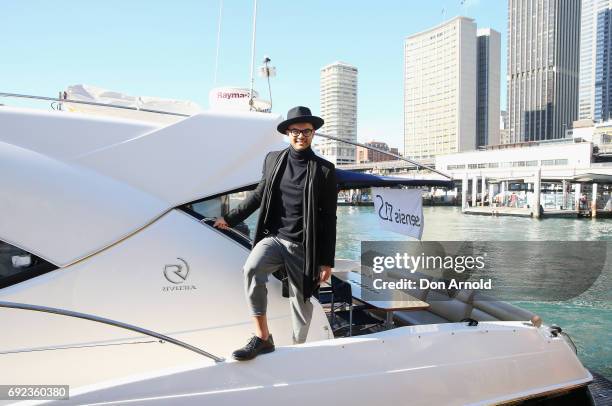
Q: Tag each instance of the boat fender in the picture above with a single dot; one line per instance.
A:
(536, 321)
(470, 321)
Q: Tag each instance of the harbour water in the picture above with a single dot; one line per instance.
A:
(586, 318)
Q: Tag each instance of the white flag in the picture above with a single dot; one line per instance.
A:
(400, 210)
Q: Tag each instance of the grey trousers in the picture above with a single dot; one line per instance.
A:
(269, 255)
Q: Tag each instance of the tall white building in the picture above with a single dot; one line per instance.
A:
(543, 43)
(595, 75)
(440, 90)
(339, 110)
(487, 102)
(503, 120)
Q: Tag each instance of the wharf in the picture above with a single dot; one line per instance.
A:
(521, 212)
(498, 211)
(526, 212)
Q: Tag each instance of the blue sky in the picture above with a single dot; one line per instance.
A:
(167, 48)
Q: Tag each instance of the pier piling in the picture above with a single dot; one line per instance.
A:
(483, 188)
(464, 189)
(536, 192)
(594, 201)
(474, 190)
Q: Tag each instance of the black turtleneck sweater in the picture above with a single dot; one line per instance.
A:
(287, 206)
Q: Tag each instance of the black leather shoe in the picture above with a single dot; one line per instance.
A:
(254, 347)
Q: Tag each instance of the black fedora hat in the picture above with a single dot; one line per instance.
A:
(300, 114)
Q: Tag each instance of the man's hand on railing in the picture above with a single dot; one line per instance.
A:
(221, 223)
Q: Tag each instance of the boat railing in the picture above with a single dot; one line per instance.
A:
(115, 323)
(382, 151)
(89, 103)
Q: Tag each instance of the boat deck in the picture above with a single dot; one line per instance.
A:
(601, 387)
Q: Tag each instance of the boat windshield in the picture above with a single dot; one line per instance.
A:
(17, 265)
(220, 205)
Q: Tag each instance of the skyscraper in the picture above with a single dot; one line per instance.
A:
(595, 75)
(339, 110)
(440, 90)
(487, 103)
(504, 131)
(543, 43)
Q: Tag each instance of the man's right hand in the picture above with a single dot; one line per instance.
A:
(221, 223)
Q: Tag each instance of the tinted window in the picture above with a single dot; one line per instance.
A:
(220, 205)
(17, 265)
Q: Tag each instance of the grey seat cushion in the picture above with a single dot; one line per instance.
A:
(417, 317)
(465, 295)
(448, 308)
(481, 316)
(499, 310)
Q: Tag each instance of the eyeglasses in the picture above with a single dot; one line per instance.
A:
(296, 133)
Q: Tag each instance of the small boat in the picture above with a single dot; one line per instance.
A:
(114, 282)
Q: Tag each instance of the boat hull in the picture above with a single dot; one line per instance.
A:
(446, 364)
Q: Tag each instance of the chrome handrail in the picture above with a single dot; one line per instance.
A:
(70, 313)
(114, 106)
(358, 144)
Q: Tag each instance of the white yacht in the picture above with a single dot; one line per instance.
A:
(114, 282)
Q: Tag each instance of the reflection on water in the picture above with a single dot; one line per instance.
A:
(587, 318)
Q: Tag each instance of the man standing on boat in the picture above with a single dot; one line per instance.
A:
(296, 228)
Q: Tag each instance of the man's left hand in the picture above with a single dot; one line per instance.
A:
(325, 273)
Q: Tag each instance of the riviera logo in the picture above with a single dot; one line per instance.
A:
(176, 273)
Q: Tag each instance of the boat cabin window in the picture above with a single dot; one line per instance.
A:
(17, 265)
(210, 208)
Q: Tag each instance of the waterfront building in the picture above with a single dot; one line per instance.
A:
(595, 54)
(361, 155)
(338, 94)
(365, 155)
(440, 71)
(507, 160)
(375, 156)
(487, 102)
(543, 49)
(451, 89)
(600, 134)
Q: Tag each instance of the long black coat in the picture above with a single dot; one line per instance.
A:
(320, 201)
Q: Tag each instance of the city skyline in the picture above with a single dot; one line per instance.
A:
(165, 50)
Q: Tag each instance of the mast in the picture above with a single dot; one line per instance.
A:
(253, 54)
(218, 41)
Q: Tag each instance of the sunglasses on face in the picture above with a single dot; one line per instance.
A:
(294, 132)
